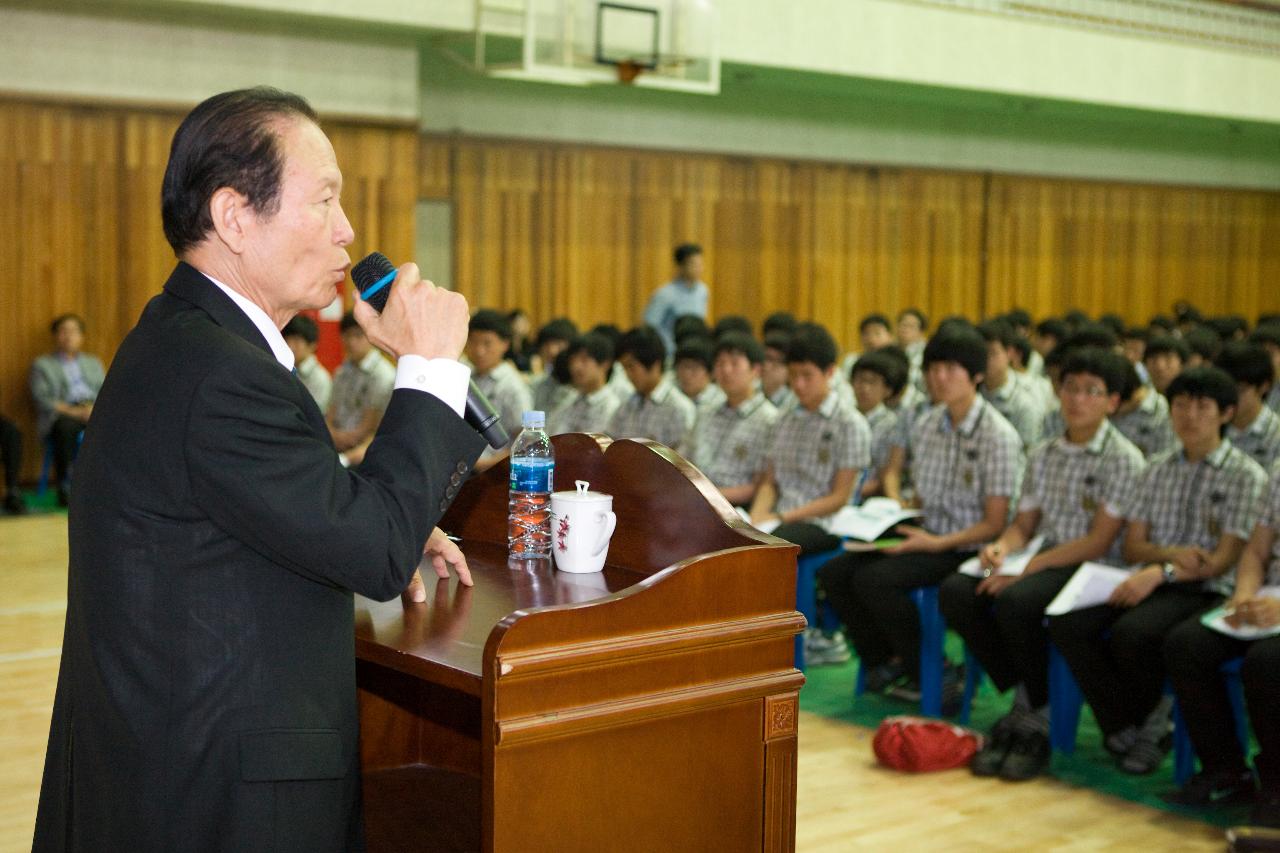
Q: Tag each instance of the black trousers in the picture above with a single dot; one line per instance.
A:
(65, 436)
(11, 450)
(1122, 676)
(1193, 654)
(1006, 633)
(811, 538)
(871, 593)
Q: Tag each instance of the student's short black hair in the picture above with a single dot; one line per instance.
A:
(1204, 342)
(918, 314)
(1163, 322)
(1075, 317)
(1132, 381)
(898, 354)
(962, 344)
(1267, 319)
(1053, 328)
(1019, 318)
(813, 344)
(1212, 383)
(488, 320)
(780, 341)
(778, 321)
(1057, 356)
(1106, 365)
(955, 320)
(874, 320)
(1249, 363)
(595, 344)
(1185, 312)
(645, 345)
(1266, 333)
(732, 323)
(560, 371)
(610, 331)
(884, 365)
(1228, 326)
(684, 252)
(1136, 333)
(1114, 322)
(1093, 335)
(64, 318)
(689, 325)
(737, 342)
(348, 322)
(997, 330)
(697, 349)
(1167, 344)
(1023, 347)
(301, 326)
(559, 329)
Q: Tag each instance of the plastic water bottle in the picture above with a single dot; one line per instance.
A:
(533, 467)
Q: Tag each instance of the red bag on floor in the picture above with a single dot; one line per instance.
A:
(919, 745)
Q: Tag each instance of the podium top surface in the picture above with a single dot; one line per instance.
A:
(444, 637)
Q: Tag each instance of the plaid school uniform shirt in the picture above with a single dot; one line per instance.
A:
(1148, 426)
(1188, 503)
(506, 389)
(1260, 439)
(1020, 403)
(1068, 483)
(584, 413)
(666, 416)
(810, 447)
(358, 387)
(729, 445)
(956, 467)
(883, 423)
(1271, 518)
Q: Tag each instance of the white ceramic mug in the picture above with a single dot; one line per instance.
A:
(581, 523)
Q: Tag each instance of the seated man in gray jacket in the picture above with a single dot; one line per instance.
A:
(64, 384)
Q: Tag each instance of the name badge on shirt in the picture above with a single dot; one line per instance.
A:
(1088, 504)
(968, 476)
(824, 455)
(1215, 528)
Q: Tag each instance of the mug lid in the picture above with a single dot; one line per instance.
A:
(581, 494)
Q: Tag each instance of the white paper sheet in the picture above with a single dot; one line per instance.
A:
(1013, 564)
(1091, 585)
(1216, 619)
(870, 521)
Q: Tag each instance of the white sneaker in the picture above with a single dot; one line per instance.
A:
(820, 649)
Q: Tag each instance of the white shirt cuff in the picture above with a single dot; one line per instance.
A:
(444, 378)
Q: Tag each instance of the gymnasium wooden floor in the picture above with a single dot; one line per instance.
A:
(845, 802)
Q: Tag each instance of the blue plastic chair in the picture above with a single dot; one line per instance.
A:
(933, 634)
(806, 593)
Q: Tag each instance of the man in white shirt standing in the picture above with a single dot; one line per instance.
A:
(687, 293)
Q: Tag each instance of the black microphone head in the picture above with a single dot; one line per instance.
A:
(373, 276)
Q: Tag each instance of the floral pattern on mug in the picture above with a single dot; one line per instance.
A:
(561, 532)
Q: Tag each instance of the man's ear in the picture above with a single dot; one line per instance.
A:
(231, 213)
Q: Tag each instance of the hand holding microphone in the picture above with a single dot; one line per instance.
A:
(416, 317)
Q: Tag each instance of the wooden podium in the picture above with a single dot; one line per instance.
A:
(650, 707)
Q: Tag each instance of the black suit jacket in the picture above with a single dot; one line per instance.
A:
(206, 698)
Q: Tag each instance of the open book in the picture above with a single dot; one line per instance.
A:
(1013, 564)
(871, 520)
(1217, 620)
(1091, 585)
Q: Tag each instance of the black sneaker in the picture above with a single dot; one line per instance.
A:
(987, 761)
(14, 504)
(1146, 756)
(1028, 758)
(1266, 811)
(906, 690)
(881, 678)
(1211, 789)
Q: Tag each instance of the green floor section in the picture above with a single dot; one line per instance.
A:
(828, 692)
(39, 504)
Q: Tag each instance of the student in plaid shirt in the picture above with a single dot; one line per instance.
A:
(1255, 429)
(1143, 417)
(693, 374)
(1012, 394)
(1078, 487)
(1193, 511)
(656, 409)
(968, 465)
(729, 443)
(773, 371)
(488, 342)
(818, 449)
(590, 361)
(1194, 655)
(876, 377)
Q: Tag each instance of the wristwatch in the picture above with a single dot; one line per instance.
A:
(1169, 572)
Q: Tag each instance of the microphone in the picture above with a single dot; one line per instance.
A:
(374, 276)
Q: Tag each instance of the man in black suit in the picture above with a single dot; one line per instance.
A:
(206, 698)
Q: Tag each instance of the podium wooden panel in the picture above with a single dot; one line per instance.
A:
(650, 707)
